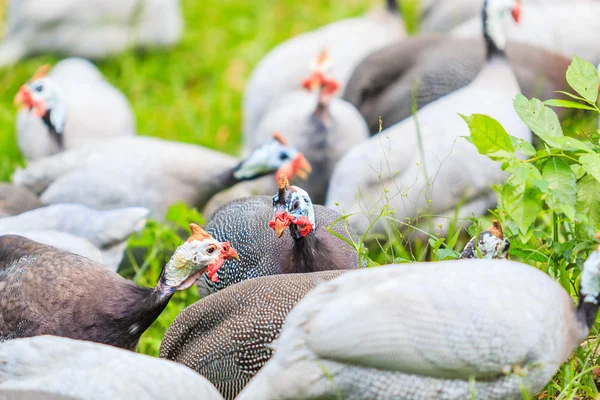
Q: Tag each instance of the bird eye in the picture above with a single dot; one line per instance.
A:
(38, 88)
(195, 258)
(211, 249)
(283, 156)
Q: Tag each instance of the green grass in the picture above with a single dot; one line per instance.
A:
(193, 92)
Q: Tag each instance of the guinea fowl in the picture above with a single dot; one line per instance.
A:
(320, 126)
(434, 169)
(227, 337)
(152, 173)
(486, 329)
(16, 200)
(490, 243)
(428, 67)
(91, 28)
(44, 290)
(66, 107)
(56, 368)
(550, 25)
(348, 41)
(309, 247)
(106, 230)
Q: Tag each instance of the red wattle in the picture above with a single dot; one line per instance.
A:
(304, 225)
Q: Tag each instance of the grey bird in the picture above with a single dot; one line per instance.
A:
(56, 368)
(484, 329)
(425, 68)
(348, 41)
(255, 227)
(318, 124)
(44, 290)
(227, 337)
(64, 107)
(107, 230)
(152, 173)
(16, 200)
(91, 28)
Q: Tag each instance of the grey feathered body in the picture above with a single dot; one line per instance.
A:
(47, 291)
(227, 336)
(55, 368)
(245, 224)
(421, 331)
(429, 67)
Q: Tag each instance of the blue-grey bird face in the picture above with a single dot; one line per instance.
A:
(273, 156)
(292, 205)
(42, 96)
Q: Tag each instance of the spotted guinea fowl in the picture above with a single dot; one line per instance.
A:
(319, 125)
(107, 230)
(490, 243)
(91, 28)
(427, 67)
(433, 168)
(57, 368)
(486, 329)
(67, 106)
(44, 290)
(227, 336)
(348, 41)
(16, 200)
(152, 173)
(551, 25)
(308, 248)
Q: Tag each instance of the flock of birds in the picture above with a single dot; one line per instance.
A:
(287, 309)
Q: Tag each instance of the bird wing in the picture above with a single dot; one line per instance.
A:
(451, 319)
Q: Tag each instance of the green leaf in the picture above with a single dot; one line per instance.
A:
(582, 76)
(489, 137)
(542, 120)
(520, 204)
(523, 171)
(568, 104)
(591, 164)
(566, 143)
(562, 186)
(588, 201)
(578, 169)
(523, 146)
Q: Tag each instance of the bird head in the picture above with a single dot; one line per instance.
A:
(590, 278)
(491, 243)
(275, 155)
(41, 95)
(494, 13)
(292, 206)
(201, 252)
(320, 79)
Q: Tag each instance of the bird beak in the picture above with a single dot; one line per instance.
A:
(516, 11)
(229, 252)
(22, 97)
(302, 167)
(279, 222)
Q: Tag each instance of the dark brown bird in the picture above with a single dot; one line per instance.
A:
(47, 291)
(309, 247)
(428, 67)
(227, 337)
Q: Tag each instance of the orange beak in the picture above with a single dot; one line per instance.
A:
(229, 252)
(279, 222)
(23, 97)
(516, 11)
(299, 167)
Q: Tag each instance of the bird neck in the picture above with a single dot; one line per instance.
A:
(54, 129)
(306, 251)
(392, 6)
(494, 33)
(587, 310)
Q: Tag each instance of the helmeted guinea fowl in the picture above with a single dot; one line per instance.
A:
(319, 125)
(91, 28)
(227, 336)
(348, 41)
(57, 368)
(44, 290)
(245, 223)
(490, 243)
(16, 200)
(427, 67)
(107, 230)
(424, 167)
(64, 108)
(152, 173)
(551, 25)
(485, 329)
